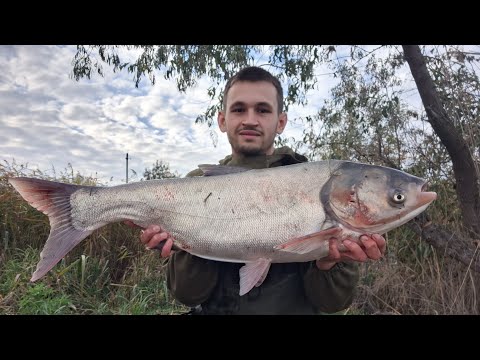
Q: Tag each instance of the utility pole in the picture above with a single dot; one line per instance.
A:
(126, 177)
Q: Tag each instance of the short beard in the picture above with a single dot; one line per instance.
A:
(248, 151)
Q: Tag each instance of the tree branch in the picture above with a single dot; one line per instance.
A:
(446, 242)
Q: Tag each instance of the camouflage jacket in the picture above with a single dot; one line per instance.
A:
(295, 288)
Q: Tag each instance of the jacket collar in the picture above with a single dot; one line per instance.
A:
(281, 156)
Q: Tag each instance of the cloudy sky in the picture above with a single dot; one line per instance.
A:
(49, 120)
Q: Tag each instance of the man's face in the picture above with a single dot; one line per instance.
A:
(251, 119)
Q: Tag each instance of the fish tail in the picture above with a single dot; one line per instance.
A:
(53, 199)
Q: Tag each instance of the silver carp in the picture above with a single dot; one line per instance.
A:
(233, 214)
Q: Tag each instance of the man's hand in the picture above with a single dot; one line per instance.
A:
(372, 248)
(155, 237)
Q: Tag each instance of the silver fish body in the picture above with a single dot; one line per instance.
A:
(257, 217)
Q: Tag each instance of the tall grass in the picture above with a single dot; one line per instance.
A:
(111, 273)
(415, 279)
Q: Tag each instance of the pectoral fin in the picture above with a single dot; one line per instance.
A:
(310, 242)
(253, 274)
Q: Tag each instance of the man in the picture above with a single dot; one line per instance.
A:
(251, 117)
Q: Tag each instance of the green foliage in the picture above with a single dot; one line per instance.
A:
(160, 170)
(456, 75)
(12, 268)
(42, 300)
(71, 288)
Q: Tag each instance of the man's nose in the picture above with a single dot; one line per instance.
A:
(250, 118)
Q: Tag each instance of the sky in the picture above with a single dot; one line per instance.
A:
(48, 120)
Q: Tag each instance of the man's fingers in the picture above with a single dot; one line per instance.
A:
(147, 234)
(371, 248)
(160, 246)
(334, 253)
(355, 252)
(381, 242)
(156, 239)
(167, 247)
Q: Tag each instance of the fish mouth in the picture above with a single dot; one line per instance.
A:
(425, 197)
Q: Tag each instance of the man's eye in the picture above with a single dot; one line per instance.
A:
(263, 111)
(237, 110)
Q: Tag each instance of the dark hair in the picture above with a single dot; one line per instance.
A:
(254, 73)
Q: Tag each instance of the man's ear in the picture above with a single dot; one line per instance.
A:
(221, 121)
(282, 122)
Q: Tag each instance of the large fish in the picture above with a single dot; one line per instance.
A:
(233, 214)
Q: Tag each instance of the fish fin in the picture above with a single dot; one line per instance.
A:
(53, 199)
(310, 242)
(214, 170)
(253, 274)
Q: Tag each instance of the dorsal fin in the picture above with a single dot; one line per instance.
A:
(214, 170)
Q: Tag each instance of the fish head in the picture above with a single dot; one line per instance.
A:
(374, 199)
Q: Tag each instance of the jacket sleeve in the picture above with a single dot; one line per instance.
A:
(332, 290)
(191, 279)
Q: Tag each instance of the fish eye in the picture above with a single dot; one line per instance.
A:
(398, 198)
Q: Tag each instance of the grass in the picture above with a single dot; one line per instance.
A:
(111, 273)
(85, 285)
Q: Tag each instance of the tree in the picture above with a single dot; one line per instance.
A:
(366, 118)
(466, 173)
(160, 170)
